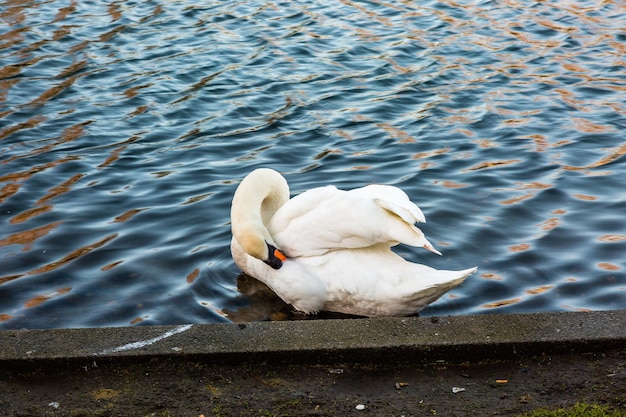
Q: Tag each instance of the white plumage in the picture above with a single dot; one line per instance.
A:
(338, 247)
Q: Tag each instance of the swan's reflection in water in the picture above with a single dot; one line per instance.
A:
(265, 305)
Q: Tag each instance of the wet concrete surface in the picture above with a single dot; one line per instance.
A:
(453, 337)
(504, 364)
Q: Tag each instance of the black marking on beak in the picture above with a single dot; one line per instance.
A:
(275, 258)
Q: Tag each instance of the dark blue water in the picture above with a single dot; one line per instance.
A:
(125, 127)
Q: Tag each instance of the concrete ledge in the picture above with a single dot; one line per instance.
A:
(457, 338)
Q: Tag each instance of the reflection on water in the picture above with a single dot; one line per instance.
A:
(125, 127)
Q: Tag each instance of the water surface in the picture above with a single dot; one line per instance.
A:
(126, 126)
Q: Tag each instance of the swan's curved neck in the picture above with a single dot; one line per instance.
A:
(256, 199)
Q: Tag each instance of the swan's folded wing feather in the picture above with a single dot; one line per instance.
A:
(325, 219)
(395, 201)
(309, 203)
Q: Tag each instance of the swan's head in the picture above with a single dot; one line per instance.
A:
(256, 246)
(256, 200)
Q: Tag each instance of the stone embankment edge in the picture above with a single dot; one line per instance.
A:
(408, 339)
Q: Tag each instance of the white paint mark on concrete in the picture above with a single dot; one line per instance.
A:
(144, 343)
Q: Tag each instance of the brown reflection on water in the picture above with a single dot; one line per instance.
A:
(8, 190)
(554, 26)
(53, 91)
(492, 164)
(134, 91)
(162, 174)
(126, 216)
(486, 143)
(569, 307)
(65, 11)
(82, 251)
(68, 135)
(30, 213)
(111, 265)
(60, 189)
(612, 238)
(193, 275)
(73, 69)
(74, 255)
(138, 319)
(539, 290)
(430, 154)
(138, 111)
(8, 78)
(115, 155)
(568, 98)
(491, 276)
(517, 199)
(28, 237)
(520, 248)
(535, 185)
(614, 154)
(585, 197)
(105, 37)
(502, 303)
(541, 142)
(586, 126)
(450, 184)
(549, 224)
(14, 179)
(29, 124)
(24, 175)
(607, 266)
(195, 199)
(41, 298)
(344, 134)
(401, 135)
(115, 12)
(516, 122)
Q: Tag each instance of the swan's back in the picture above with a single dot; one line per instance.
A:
(325, 219)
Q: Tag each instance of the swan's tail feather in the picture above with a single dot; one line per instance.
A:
(408, 234)
(453, 278)
(443, 282)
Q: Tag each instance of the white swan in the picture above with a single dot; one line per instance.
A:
(330, 250)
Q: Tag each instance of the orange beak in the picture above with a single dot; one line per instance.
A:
(280, 255)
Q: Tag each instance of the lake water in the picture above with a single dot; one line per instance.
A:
(126, 126)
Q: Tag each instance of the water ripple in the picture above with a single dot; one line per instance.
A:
(125, 127)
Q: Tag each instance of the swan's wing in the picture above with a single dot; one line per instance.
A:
(402, 214)
(326, 219)
(319, 220)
